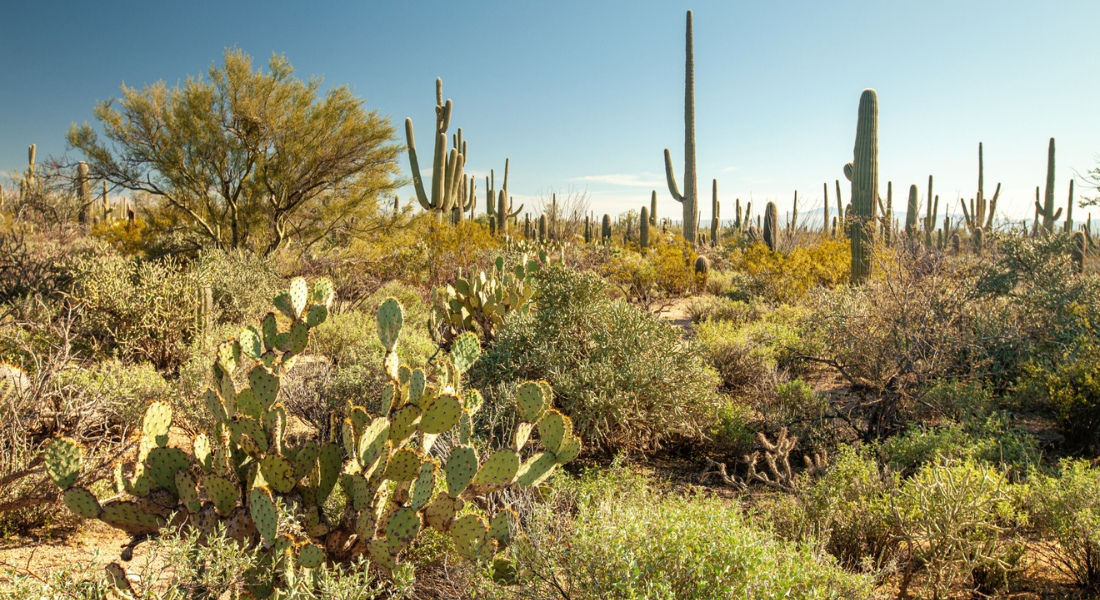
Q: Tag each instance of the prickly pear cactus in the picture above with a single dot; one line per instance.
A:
(268, 492)
(480, 303)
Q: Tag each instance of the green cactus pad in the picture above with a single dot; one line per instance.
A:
(330, 462)
(570, 448)
(440, 512)
(359, 418)
(424, 485)
(63, 457)
(531, 401)
(316, 315)
(229, 355)
(305, 459)
(403, 526)
(357, 490)
(270, 329)
(461, 468)
(472, 401)
(536, 469)
(278, 472)
(261, 507)
(131, 518)
(299, 337)
(372, 444)
(553, 429)
(403, 374)
(82, 502)
(381, 555)
(187, 491)
(390, 318)
(249, 405)
(323, 292)
(265, 385)
(465, 428)
(215, 406)
(471, 538)
(246, 426)
(299, 295)
(388, 396)
(251, 343)
(228, 391)
(502, 527)
(499, 471)
(311, 556)
(442, 414)
(157, 422)
(503, 571)
(347, 437)
(162, 465)
(221, 492)
(465, 351)
(283, 302)
(404, 423)
(417, 383)
(403, 466)
(204, 456)
(523, 433)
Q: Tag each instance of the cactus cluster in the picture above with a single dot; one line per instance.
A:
(450, 188)
(479, 303)
(279, 496)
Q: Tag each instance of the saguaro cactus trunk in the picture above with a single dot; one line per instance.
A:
(864, 187)
(689, 198)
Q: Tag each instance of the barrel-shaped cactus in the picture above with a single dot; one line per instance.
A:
(246, 477)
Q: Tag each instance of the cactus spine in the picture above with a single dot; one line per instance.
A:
(447, 166)
(688, 199)
(1047, 210)
(771, 226)
(864, 186)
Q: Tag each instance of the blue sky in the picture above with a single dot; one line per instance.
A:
(584, 96)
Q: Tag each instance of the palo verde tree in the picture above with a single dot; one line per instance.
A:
(245, 159)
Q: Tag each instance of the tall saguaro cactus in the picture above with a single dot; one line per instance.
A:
(1047, 210)
(981, 210)
(771, 226)
(688, 198)
(864, 169)
(447, 166)
(715, 218)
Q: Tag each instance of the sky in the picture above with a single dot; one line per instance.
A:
(583, 96)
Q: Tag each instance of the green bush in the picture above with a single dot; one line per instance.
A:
(1070, 391)
(991, 440)
(242, 284)
(629, 541)
(1066, 512)
(626, 378)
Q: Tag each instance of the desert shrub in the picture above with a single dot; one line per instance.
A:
(242, 283)
(846, 510)
(786, 277)
(674, 265)
(991, 440)
(957, 521)
(138, 311)
(720, 308)
(1069, 389)
(627, 379)
(627, 540)
(634, 276)
(129, 238)
(732, 431)
(747, 354)
(1065, 509)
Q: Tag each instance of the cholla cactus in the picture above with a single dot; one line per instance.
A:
(268, 491)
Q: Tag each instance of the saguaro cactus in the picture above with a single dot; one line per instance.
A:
(643, 235)
(447, 166)
(864, 167)
(688, 198)
(981, 210)
(1069, 209)
(825, 214)
(932, 211)
(653, 208)
(605, 230)
(771, 226)
(1047, 210)
(911, 214)
(715, 218)
(1079, 251)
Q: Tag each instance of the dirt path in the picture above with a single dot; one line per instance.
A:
(89, 549)
(677, 314)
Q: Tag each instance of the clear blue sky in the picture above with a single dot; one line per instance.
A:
(586, 95)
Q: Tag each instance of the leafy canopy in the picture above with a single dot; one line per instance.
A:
(246, 159)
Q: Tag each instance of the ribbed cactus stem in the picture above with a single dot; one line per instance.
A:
(715, 218)
(542, 228)
(447, 165)
(794, 213)
(864, 186)
(771, 226)
(643, 235)
(1069, 208)
(688, 198)
(825, 214)
(605, 230)
(1047, 210)
(911, 214)
(31, 177)
(653, 208)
